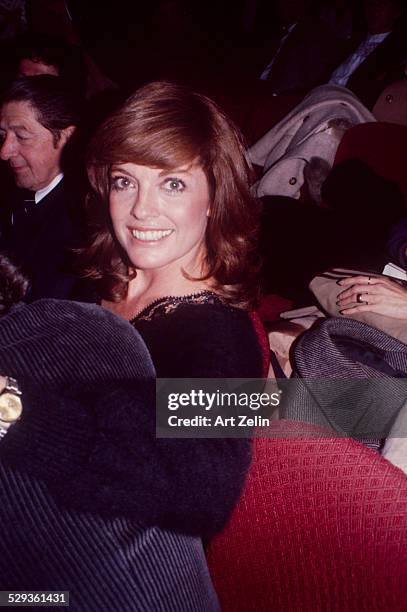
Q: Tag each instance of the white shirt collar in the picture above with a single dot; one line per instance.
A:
(41, 193)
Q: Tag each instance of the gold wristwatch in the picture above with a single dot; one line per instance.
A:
(11, 406)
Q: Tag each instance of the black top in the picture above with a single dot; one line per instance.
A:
(199, 336)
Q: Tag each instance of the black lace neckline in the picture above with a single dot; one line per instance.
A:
(165, 305)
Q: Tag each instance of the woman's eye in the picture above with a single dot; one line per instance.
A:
(174, 185)
(119, 183)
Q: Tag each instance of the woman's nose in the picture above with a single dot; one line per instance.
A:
(146, 203)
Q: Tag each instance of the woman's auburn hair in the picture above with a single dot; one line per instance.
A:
(165, 125)
(13, 285)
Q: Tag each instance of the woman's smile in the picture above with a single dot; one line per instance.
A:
(150, 235)
(160, 216)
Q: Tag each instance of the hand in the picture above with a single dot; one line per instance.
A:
(379, 295)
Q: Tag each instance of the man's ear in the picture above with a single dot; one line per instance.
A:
(65, 135)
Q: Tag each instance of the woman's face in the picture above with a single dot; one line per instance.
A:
(159, 216)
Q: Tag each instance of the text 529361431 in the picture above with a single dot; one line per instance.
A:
(34, 598)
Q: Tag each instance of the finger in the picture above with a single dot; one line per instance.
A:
(357, 309)
(355, 289)
(368, 299)
(369, 305)
(351, 280)
(384, 281)
(379, 290)
(346, 301)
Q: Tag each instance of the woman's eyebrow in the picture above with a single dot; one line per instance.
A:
(182, 170)
(121, 171)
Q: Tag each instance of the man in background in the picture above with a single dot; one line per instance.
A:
(41, 216)
(380, 57)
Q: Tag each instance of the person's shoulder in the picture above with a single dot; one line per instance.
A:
(209, 317)
(64, 205)
(73, 312)
(213, 340)
(73, 342)
(84, 322)
(217, 313)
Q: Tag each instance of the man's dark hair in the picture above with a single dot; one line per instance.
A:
(66, 58)
(13, 285)
(56, 106)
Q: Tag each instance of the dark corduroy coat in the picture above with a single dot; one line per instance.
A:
(88, 428)
(86, 491)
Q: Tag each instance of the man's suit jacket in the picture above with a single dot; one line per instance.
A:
(383, 66)
(307, 57)
(312, 52)
(40, 241)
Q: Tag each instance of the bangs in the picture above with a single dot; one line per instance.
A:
(166, 150)
(162, 137)
(157, 133)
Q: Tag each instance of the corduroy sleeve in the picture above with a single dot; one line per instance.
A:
(100, 455)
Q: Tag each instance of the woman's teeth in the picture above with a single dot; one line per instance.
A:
(150, 235)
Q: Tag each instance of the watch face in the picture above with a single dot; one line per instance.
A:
(10, 407)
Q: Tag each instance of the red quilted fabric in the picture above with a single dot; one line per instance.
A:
(321, 527)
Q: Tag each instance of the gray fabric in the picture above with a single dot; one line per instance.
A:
(349, 377)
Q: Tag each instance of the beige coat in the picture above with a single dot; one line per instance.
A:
(313, 129)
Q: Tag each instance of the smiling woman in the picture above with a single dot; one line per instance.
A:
(174, 252)
(175, 228)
